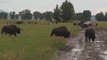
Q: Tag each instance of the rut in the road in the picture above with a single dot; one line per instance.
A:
(77, 46)
(82, 50)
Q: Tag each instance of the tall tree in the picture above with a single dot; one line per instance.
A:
(41, 16)
(105, 16)
(16, 16)
(26, 14)
(48, 15)
(56, 14)
(36, 15)
(67, 10)
(100, 16)
(78, 16)
(87, 15)
(3, 15)
(12, 15)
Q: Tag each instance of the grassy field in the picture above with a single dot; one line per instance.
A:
(34, 42)
(103, 24)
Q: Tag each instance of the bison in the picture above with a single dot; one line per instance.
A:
(10, 29)
(19, 22)
(74, 24)
(90, 34)
(96, 24)
(85, 24)
(61, 31)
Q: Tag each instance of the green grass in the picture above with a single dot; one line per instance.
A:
(34, 42)
(103, 24)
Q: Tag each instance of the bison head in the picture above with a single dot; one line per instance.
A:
(67, 34)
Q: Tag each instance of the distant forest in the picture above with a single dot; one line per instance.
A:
(65, 12)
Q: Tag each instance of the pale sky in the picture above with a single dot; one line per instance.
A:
(94, 6)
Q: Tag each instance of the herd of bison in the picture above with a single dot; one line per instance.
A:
(58, 31)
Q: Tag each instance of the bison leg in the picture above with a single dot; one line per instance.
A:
(93, 39)
(86, 38)
(10, 34)
(5, 33)
(89, 39)
(2, 31)
(15, 34)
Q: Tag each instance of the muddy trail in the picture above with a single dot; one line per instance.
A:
(78, 49)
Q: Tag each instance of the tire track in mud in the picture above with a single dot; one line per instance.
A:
(77, 46)
(82, 50)
(92, 50)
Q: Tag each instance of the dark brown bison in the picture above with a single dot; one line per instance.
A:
(81, 24)
(32, 22)
(19, 22)
(10, 29)
(90, 34)
(74, 23)
(61, 31)
(84, 24)
(96, 24)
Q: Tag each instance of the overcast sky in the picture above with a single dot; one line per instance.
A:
(94, 6)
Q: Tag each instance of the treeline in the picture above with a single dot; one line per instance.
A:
(101, 16)
(64, 13)
(27, 15)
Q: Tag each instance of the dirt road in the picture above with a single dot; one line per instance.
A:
(81, 50)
